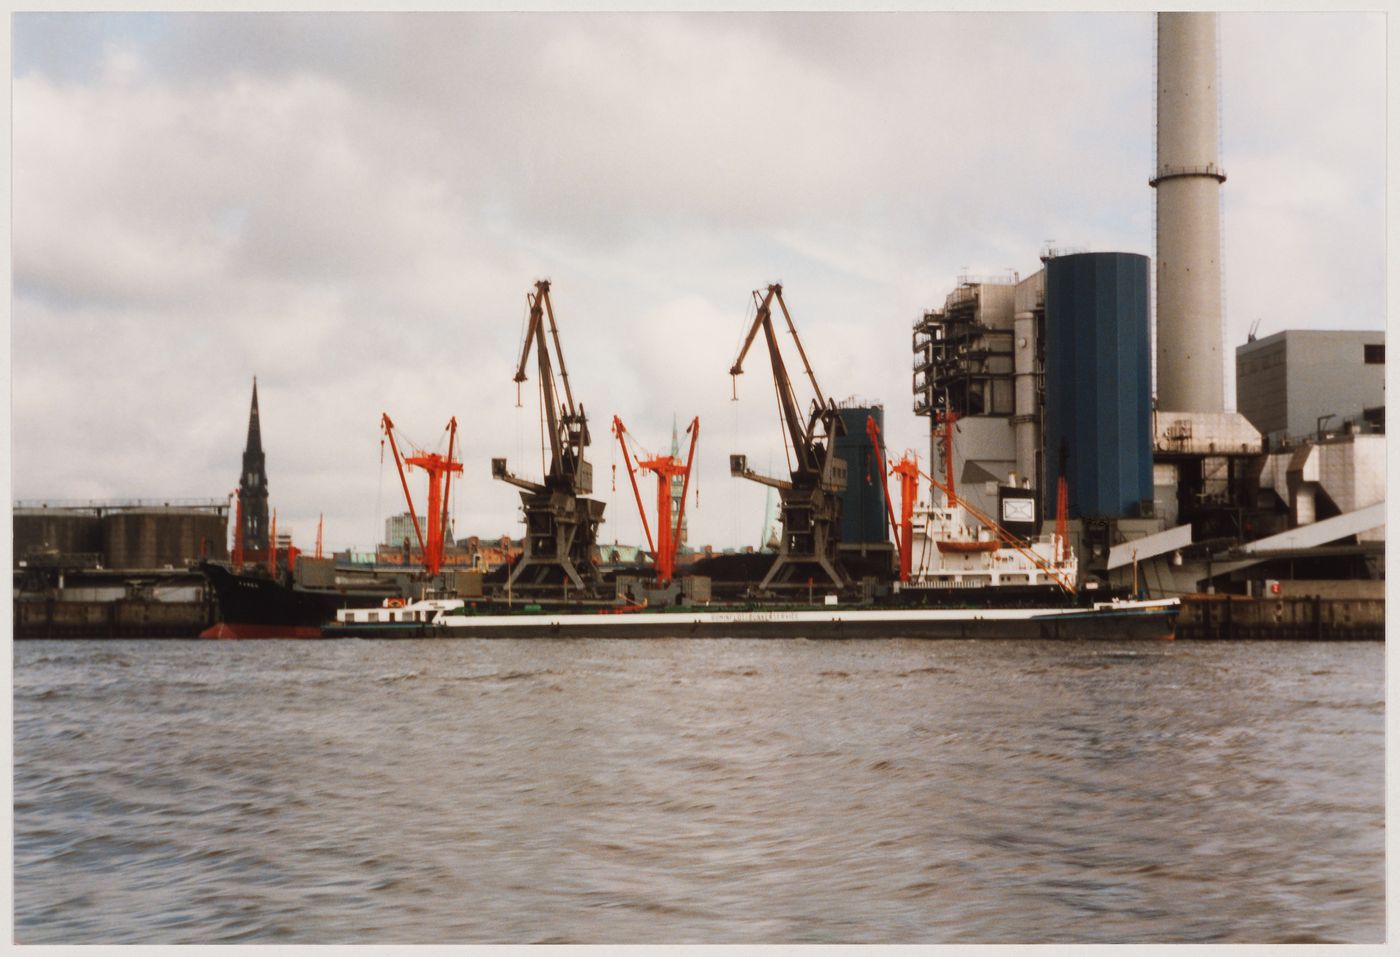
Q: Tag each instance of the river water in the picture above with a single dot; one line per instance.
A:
(709, 791)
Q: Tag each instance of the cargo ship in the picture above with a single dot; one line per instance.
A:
(256, 605)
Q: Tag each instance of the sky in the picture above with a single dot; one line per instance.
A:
(353, 207)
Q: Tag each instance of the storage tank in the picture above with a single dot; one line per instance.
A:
(139, 538)
(863, 520)
(1098, 412)
(56, 531)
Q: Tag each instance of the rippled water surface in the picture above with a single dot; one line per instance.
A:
(697, 791)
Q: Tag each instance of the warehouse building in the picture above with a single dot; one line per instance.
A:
(1309, 382)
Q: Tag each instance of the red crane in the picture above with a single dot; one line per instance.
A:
(907, 468)
(666, 467)
(440, 469)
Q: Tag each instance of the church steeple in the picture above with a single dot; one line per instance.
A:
(252, 484)
(254, 429)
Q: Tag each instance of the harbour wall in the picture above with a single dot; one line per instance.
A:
(50, 618)
(1300, 617)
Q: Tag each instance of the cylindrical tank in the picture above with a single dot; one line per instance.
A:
(138, 538)
(1098, 413)
(1190, 368)
(863, 519)
(56, 532)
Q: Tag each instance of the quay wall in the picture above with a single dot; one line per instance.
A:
(129, 618)
(1303, 617)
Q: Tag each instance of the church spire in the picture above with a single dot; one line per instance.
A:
(252, 484)
(254, 428)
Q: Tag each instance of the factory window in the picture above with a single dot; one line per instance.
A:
(1375, 354)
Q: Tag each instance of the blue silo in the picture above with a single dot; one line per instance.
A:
(863, 518)
(1098, 395)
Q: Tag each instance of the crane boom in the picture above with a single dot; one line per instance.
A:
(561, 525)
(619, 430)
(666, 467)
(821, 400)
(440, 470)
(738, 367)
(811, 503)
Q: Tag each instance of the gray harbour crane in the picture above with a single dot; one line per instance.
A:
(561, 525)
(809, 499)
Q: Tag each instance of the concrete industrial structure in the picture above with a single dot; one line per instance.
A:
(1202, 502)
(965, 363)
(1190, 368)
(114, 569)
(1308, 382)
(127, 536)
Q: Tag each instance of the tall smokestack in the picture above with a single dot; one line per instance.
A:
(1190, 368)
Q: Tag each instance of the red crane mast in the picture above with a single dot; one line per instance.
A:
(666, 467)
(440, 470)
(907, 469)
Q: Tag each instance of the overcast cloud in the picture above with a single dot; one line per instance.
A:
(353, 207)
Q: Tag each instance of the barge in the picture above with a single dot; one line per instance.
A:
(454, 618)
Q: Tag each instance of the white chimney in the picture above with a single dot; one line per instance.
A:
(1190, 367)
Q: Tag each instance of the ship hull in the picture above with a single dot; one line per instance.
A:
(1136, 622)
(251, 606)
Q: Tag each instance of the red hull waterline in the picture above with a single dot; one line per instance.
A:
(227, 631)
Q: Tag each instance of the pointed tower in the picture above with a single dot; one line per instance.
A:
(252, 485)
(677, 485)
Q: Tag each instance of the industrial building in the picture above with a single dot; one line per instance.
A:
(1050, 375)
(1309, 382)
(129, 568)
(964, 366)
(398, 529)
(114, 569)
(126, 536)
